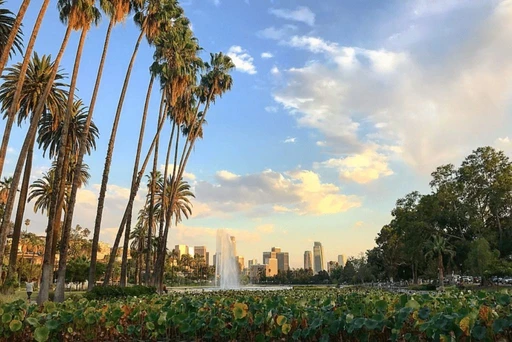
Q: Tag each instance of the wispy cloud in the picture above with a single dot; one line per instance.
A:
(242, 60)
(266, 55)
(301, 14)
(277, 33)
(271, 109)
(290, 140)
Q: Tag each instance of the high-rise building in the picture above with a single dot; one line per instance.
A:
(342, 260)
(251, 263)
(308, 260)
(200, 250)
(318, 257)
(283, 261)
(241, 262)
(181, 250)
(276, 249)
(207, 258)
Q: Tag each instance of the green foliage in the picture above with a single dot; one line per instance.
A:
(107, 292)
(299, 314)
(463, 226)
(480, 257)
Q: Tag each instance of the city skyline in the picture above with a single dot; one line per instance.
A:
(310, 159)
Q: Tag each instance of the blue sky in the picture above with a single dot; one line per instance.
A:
(338, 108)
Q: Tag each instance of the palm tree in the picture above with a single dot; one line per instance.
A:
(117, 10)
(79, 15)
(10, 32)
(436, 248)
(42, 188)
(214, 83)
(38, 111)
(39, 72)
(153, 17)
(177, 48)
(5, 186)
(50, 139)
(13, 109)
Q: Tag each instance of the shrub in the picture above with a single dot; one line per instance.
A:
(104, 292)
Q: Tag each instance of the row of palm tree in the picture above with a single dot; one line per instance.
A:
(34, 90)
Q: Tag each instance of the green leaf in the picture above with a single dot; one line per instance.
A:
(15, 325)
(49, 307)
(285, 328)
(90, 318)
(413, 304)
(150, 325)
(33, 321)
(479, 332)
(120, 328)
(260, 338)
(6, 318)
(371, 324)
(381, 305)
(503, 299)
(41, 334)
(424, 313)
(52, 324)
(280, 320)
(499, 325)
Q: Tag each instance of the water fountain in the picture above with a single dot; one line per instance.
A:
(226, 266)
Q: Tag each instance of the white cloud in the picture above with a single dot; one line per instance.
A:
(301, 14)
(424, 111)
(296, 191)
(290, 140)
(226, 175)
(277, 33)
(265, 228)
(266, 55)
(271, 109)
(186, 175)
(321, 143)
(242, 60)
(274, 70)
(361, 168)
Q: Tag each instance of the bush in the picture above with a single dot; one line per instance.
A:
(424, 287)
(104, 292)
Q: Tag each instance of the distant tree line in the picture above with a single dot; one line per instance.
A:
(463, 225)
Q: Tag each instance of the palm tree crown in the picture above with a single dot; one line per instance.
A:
(6, 23)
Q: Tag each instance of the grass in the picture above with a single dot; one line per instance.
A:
(21, 294)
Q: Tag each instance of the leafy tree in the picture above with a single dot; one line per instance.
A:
(480, 257)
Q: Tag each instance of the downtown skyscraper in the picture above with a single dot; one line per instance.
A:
(318, 257)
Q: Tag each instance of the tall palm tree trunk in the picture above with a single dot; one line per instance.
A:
(57, 226)
(22, 201)
(124, 260)
(11, 114)
(129, 207)
(83, 149)
(160, 261)
(165, 209)
(61, 178)
(47, 268)
(4, 55)
(152, 199)
(31, 133)
(110, 151)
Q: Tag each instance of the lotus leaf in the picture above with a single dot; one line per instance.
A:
(15, 325)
